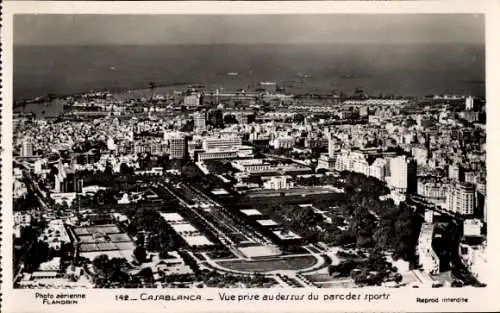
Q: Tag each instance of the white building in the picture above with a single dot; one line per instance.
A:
(199, 122)
(472, 227)
(403, 174)
(461, 199)
(343, 162)
(223, 142)
(326, 162)
(377, 169)
(359, 163)
(178, 147)
(283, 142)
(433, 191)
(469, 103)
(218, 154)
(37, 166)
(192, 100)
(26, 148)
(454, 171)
(333, 147)
(278, 182)
(252, 166)
(429, 216)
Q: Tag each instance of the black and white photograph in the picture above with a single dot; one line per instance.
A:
(249, 151)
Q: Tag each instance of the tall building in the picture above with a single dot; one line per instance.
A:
(469, 176)
(403, 174)
(363, 111)
(343, 161)
(481, 199)
(433, 190)
(283, 142)
(66, 181)
(224, 142)
(27, 148)
(200, 122)
(332, 146)
(178, 146)
(461, 198)
(192, 100)
(377, 169)
(326, 162)
(469, 103)
(455, 172)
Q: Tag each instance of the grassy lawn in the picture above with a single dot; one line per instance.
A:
(319, 278)
(291, 263)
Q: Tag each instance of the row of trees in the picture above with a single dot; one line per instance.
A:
(113, 273)
(30, 251)
(377, 223)
(356, 183)
(371, 271)
(220, 167)
(161, 237)
(371, 222)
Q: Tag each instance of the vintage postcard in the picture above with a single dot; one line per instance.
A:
(249, 156)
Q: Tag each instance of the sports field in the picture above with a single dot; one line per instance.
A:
(268, 265)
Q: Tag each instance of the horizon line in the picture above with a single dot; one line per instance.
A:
(247, 44)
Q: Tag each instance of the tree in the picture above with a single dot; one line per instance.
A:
(215, 118)
(188, 127)
(147, 274)
(140, 254)
(298, 118)
(64, 205)
(230, 119)
(108, 171)
(398, 278)
(331, 270)
(100, 262)
(126, 170)
(38, 252)
(109, 271)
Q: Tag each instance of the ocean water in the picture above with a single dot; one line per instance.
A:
(406, 69)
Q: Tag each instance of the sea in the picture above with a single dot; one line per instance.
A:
(400, 69)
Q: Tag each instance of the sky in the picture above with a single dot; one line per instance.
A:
(247, 29)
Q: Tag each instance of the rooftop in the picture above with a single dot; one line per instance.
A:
(172, 217)
(251, 212)
(267, 222)
(286, 235)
